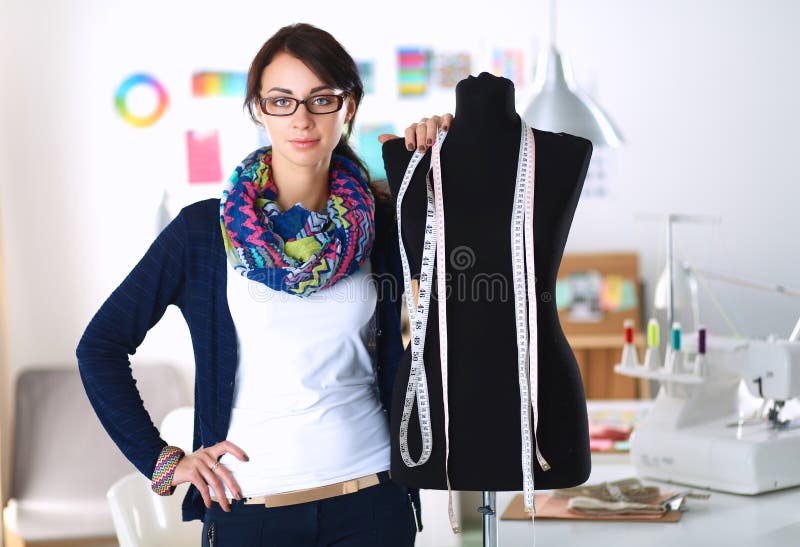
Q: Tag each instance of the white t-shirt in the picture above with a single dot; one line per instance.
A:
(306, 406)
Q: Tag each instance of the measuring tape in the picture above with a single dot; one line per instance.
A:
(441, 290)
(433, 246)
(417, 387)
(523, 265)
(527, 357)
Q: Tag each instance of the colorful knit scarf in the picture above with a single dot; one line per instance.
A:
(297, 251)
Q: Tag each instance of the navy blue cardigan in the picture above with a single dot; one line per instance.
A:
(186, 266)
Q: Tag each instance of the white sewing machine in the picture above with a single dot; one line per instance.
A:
(707, 430)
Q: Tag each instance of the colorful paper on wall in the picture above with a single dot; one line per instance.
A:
(414, 71)
(452, 68)
(366, 71)
(203, 156)
(370, 150)
(131, 113)
(219, 84)
(509, 63)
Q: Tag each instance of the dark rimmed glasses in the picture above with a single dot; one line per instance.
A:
(315, 104)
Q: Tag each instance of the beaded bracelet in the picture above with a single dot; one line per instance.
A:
(168, 459)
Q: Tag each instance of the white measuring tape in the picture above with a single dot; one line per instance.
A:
(441, 290)
(434, 246)
(523, 264)
(418, 321)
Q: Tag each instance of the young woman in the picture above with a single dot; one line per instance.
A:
(296, 346)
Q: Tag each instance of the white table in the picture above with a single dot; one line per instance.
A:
(767, 520)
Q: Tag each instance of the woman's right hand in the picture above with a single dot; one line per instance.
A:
(202, 469)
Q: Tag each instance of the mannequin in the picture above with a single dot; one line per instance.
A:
(479, 164)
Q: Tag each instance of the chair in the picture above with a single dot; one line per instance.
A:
(177, 428)
(144, 519)
(64, 462)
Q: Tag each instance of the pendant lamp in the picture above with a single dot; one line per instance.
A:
(559, 105)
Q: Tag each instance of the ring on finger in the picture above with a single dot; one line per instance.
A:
(214, 467)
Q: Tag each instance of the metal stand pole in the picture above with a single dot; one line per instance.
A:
(488, 510)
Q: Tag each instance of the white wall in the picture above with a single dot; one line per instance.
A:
(703, 91)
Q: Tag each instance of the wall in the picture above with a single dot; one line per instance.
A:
(704, 92)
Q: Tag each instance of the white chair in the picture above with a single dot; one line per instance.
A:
(64, 461)
(177, 428)
(144, 519)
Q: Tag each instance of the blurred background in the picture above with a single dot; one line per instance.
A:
(704, 93)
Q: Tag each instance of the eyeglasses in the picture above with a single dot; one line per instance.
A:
(316, 104)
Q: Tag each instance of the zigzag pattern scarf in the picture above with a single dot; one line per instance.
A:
(297, 251)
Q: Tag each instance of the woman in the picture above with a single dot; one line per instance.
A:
(276, 283)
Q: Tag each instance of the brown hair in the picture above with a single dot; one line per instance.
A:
(326, 58)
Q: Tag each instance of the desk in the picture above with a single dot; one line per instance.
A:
(767, 520)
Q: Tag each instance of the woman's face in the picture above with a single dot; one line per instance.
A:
(303, 139)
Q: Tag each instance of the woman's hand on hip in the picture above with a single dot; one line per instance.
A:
(420, 135)
(202, 469)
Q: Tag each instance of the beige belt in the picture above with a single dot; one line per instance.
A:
(312, 494)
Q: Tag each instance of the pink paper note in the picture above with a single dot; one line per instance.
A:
(203, 155)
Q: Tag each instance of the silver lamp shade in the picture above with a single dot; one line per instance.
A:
(559, 106)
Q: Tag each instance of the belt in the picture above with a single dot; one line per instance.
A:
(313, 494)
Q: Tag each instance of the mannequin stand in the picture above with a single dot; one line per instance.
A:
(489, 512)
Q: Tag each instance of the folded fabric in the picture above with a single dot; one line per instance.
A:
(592, 506)
(631, 490)
(609, 431)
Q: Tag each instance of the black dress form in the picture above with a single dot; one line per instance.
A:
(479, 163)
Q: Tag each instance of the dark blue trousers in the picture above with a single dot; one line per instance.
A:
(380, 515)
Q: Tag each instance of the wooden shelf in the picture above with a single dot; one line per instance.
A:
(596, 355)
(602, 341)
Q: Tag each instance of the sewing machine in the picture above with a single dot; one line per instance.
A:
(708, 427)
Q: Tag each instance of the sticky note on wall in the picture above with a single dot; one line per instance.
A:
(617, 294)
(451, 68)
(414, 70)
(370, 150)
(366, 71)
(202, 148)
(508, 63)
